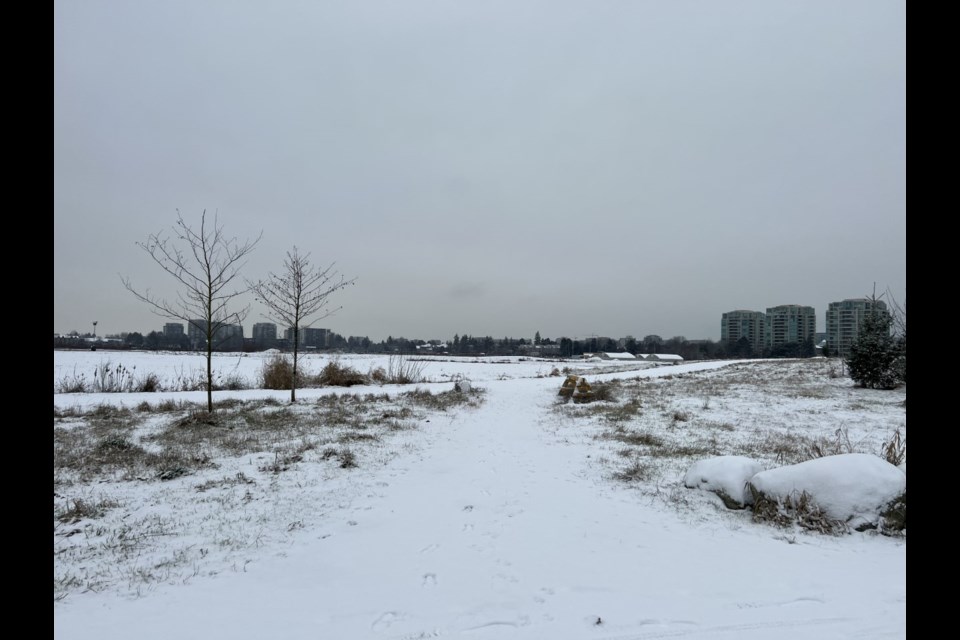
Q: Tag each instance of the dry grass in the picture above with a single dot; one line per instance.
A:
(634, 438)
(107, 377)
(277, 373)
(242, 463)
(77, 509)
(894, 450)
(799, 509)
(776, 412)
(335, 374)
(638, 471)
(443, 400)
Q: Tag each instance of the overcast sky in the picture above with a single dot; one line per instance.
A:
(488, 168)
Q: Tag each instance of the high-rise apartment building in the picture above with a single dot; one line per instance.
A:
(789, 323)
(173, 329)
(309, 336)
(844, 319)
(228, 337)
(264, 335)
(743, 324)
(197, 331)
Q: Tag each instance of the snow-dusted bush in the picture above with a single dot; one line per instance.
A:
(855, 489)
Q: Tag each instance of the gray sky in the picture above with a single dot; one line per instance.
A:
(489, 168)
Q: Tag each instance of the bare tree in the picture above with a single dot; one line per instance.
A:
(206, 263)
(898, 313)
(300, 292)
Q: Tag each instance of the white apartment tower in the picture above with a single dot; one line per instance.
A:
(844, 319)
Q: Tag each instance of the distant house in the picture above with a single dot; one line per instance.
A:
(664, 358)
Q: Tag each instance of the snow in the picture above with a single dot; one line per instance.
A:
(852, 487)
(665, 357)
(501, 521)
(728, 474)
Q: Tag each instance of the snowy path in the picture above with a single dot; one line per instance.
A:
(470, 538)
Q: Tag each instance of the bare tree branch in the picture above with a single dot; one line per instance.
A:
(898, 314)
(205, 264)
(296, 294)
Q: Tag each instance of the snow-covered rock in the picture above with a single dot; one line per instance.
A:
(727, 476)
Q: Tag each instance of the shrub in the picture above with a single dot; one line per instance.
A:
(348, 459)
(73, 383)
(277, 373)
(877, 359)
(230, 382)
(149, 383)
(338, 375)
(404, 370)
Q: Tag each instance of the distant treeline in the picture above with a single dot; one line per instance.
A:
(465, 345)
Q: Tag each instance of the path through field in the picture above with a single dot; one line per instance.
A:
(501, 527)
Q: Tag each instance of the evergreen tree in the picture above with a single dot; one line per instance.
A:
(742, 348)
(877, 359)
(151, 341)
(134, 339)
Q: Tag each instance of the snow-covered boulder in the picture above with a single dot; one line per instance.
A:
(854, 488)
(726, 476)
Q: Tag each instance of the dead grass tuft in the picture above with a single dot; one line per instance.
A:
(79, 509)
(443, 400)
(335, 374)
(638, 471)
(798, 509)
(894, 450)
(634, 438)
(277, 373)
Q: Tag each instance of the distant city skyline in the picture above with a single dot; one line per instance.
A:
(494, 168)
(248, 327)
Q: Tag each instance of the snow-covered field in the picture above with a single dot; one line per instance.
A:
(512, 515)
(177, 371)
